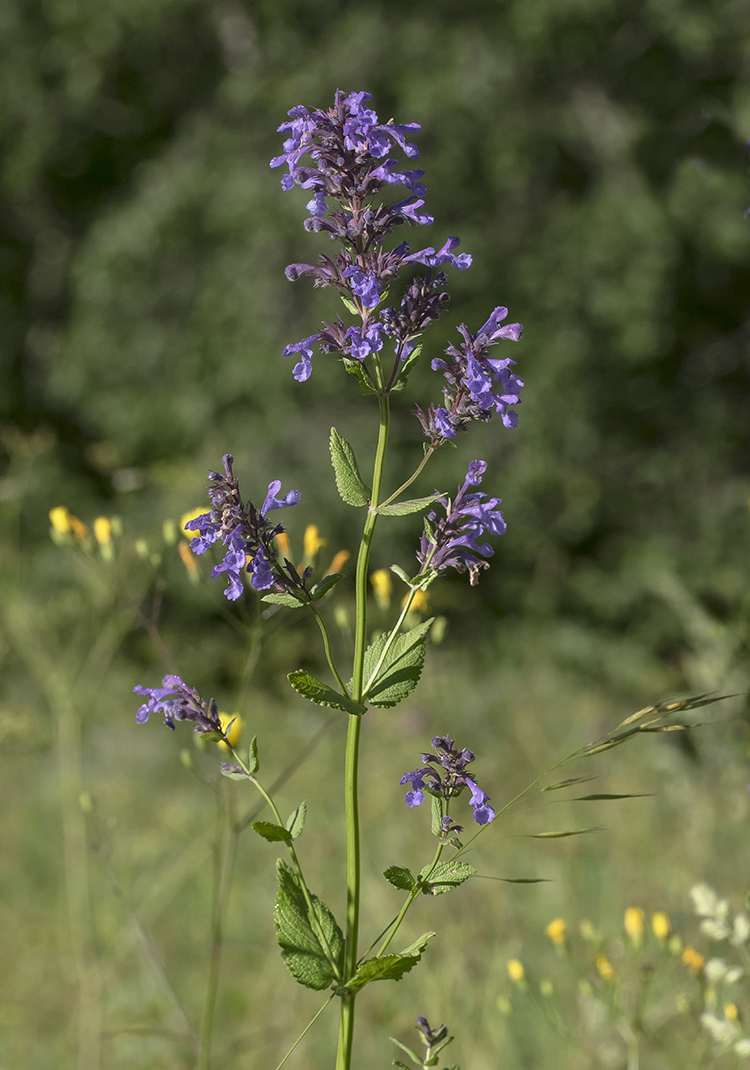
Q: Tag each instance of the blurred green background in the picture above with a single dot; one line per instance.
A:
(591, 155)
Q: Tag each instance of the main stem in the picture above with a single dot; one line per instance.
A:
(346, 1029)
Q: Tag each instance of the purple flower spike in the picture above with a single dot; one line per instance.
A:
(178, 703)
(445, 777)
(452, 541)
(247, 534)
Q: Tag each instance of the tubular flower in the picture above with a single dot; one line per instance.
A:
(178, 703)
(451, 541)
(478, 385)
(342, 157)
(451, 783)
(247, 534)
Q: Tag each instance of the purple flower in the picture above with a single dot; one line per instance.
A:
(442, 256)
(364, 285)
(444, 776)
(179, 703)
(452, 541)
(478, 385)
(247, 534)
(303, 370)
(367, 342)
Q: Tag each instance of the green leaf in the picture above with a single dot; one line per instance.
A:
(445, 876)
(348, 480)
(388, 967)
(407, 367)
(399, 674)
(400, 878)
(306, 685)
(325, 585)
(349, 305)
(398, 571)
(311, 947)
(253, 761)
(232, 772)
(412, 505)
(606, 795)
(436, 816)
(569, 782)
(271, 832)
(296, 821)
(283, 600)
(559, 835)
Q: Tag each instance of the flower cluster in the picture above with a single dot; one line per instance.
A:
(478, 385)
(247, 534)
(347, 148)
(454, 779)
(179, 703)
(451, 542)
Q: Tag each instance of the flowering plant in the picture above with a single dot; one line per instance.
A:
(391, 295)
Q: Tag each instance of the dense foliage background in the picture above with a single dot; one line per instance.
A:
(591, 155)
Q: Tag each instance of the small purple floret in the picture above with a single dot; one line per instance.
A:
(178, 702)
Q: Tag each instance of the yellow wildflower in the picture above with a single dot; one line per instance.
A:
(383, 586)
(660, 925)
(634, 917)
(234, 733)
(313, 541)
(102, 530)
(339, 561)
(604, 968)
(556, 931)
(516, 971)
(188, 559)
(419, 603)
(693, 959)
(78, 528)
(192, 515)
(60, 520)
(284, 545)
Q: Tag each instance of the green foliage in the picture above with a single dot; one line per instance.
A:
(311, 946)
(296, 821)
(348, 480)
(388, 967)
(400, 877)
(272, 833)
(413, 505)
(306, 685)
(444, 877)
(398, 673)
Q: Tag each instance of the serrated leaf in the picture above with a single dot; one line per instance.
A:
(398, 571)
(281, 599)
(325, 585)
(400, 878)
(271, 832)
(313, 963)
(296, 821)
(436, 815)
(567, 832)
(412, 505)
(402, 666)
(253, 761)
(312, 689)
(349, 483)
(446, 876)
(388, 967)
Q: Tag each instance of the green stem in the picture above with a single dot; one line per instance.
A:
(327, 647)
(346, 1029)
(225, 853)
(391, 639)
(409, 900)
(428, 453)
